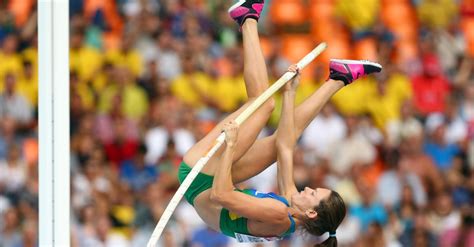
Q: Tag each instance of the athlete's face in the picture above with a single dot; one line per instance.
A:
(308, 199)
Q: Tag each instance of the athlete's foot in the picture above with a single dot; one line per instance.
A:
(348, 71)
(244, 9)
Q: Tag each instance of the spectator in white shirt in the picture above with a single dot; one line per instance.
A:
(157, 138)
(12, 171)
(324, 133)
(13, 104)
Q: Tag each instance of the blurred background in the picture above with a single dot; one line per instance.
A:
(151, 77)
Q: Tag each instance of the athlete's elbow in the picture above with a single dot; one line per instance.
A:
(218, 196)
(214, 196)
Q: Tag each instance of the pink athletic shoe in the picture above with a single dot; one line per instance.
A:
(350, 70)
(244, 9)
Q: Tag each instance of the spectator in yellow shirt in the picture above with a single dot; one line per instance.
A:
(82, 90)
(193, 87)
(31, 54)
(387, 95)
(126, 56)
(87, 61)
(230, 90)
(352, 100)
(103, 78)
(437, 14)
(360, 15)
(10, 60)
(134, 99)
(28, 83)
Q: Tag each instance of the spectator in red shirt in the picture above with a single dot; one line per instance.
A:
(430, 87)
(122, 147)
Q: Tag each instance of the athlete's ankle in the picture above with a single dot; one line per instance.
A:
(336, 83)
(250, 20)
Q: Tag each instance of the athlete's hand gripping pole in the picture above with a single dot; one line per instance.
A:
(220, 140)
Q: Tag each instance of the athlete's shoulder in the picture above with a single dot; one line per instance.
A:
(271, 195)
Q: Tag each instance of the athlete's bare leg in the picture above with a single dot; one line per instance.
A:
(264, 153)
(256, 81)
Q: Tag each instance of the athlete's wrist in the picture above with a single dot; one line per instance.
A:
(289, 92)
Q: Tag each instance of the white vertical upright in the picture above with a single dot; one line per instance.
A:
(53, 43)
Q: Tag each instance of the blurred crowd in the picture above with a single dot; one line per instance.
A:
(148, 78)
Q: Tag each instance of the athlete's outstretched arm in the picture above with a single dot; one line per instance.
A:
(286, 138)
(222, 183)
(222, 190)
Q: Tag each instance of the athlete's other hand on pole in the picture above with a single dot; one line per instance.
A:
(231, 131)
(293, 84)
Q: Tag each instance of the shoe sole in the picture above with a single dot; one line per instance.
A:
(236, 5)
(365, 62)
